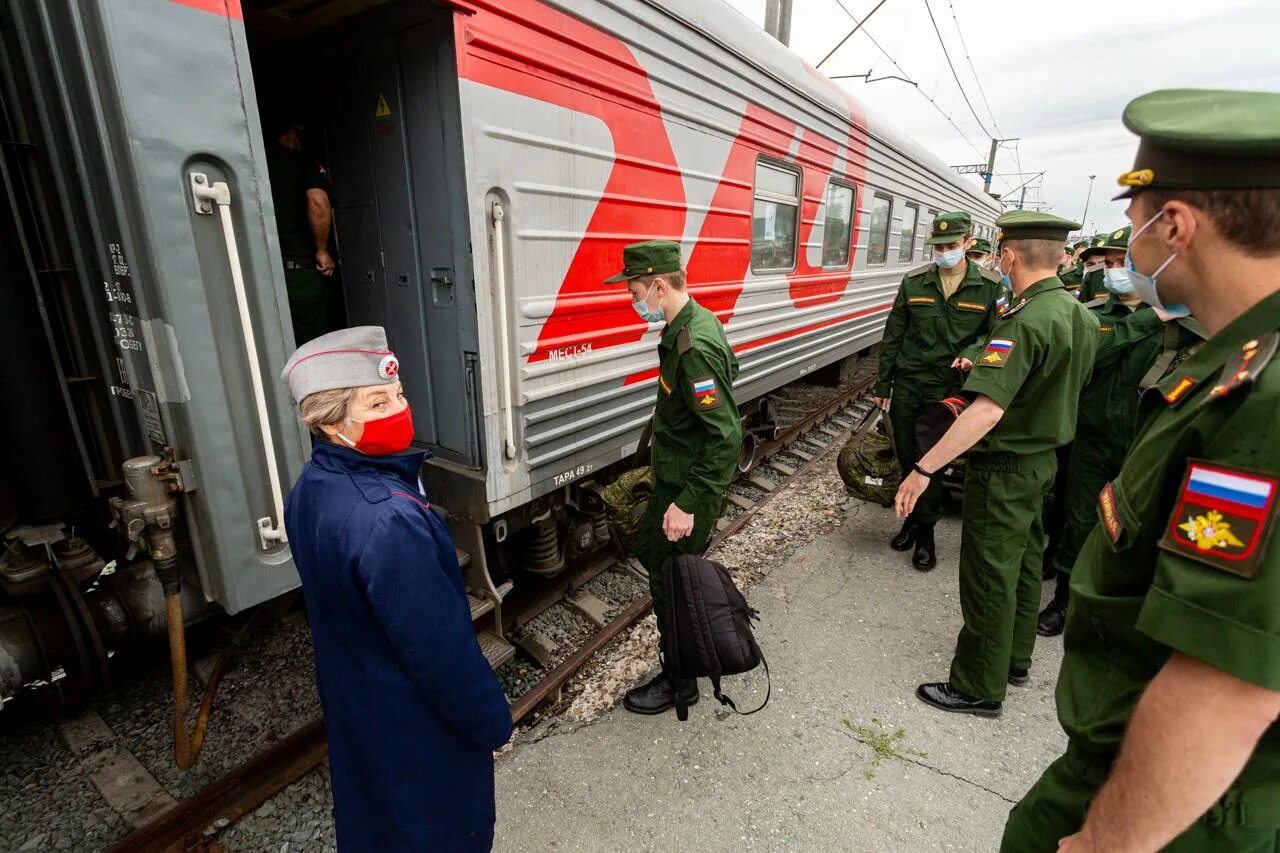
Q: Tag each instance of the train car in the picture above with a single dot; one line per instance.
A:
(489, 159)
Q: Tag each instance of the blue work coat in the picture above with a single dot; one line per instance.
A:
(412, 709)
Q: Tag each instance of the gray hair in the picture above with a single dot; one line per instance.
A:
(324, 408)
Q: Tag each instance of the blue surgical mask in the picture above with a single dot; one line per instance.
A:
(948, 259)
(1118, 281)
(1004, 276)
(649, 315)
(1145, 285)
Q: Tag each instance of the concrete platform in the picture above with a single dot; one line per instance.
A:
(849, 629)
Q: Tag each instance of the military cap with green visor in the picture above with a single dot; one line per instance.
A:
(1033, 225)
(1094, 247)
(1204, 139)
(980, 245)
(652, 257)
(949, 227)
(1079, 244)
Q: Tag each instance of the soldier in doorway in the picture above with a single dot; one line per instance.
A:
(943, 308)
(304, 220)
(697, 433)
(1169, 691)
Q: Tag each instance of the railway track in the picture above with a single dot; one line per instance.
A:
(558, 633)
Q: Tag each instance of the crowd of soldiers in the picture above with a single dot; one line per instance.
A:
(1112, 444)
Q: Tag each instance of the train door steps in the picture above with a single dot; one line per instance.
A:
(496, 650)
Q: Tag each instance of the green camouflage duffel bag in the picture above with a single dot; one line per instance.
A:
(869, 467)
(627, 499)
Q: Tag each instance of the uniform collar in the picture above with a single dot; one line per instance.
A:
(1044, 284)
(343, 460)
(972, 275)
(677, 323)
(1211, 355)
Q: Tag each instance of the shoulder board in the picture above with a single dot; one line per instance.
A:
(990, 275)
(1015, 308)
(1245, 365)
(684, 340)
(1096, 303)
(920, 270)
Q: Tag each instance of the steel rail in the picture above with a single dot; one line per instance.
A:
(194, 823)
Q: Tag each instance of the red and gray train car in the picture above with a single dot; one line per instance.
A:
(489, 159)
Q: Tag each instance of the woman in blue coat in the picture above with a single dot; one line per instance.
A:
(412, 709)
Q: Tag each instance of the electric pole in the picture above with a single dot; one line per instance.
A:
(777, 20)
(991, 163)
(1087, 198)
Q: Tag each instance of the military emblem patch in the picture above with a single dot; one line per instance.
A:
(705, 394)
(662, 383)
(1109, 514)
(1002, 305)
(1222, 517)
(1105, 328)
(997, 352)
(1184, 385)
(921, 300)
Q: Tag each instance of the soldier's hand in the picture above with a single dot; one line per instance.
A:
(909, 492)
(963, 364)
(324, 263)
(883, 403)
(677, 523)
(1078, 843)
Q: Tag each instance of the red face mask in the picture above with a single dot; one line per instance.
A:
(385, 436)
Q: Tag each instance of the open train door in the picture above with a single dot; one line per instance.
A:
(140, 116)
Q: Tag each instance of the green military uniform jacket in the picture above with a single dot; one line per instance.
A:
(1033, 366)
(1184, 557)
(1072, 277)
(1128, 342)
(1093, 287)
(925, 332)
(697, 432)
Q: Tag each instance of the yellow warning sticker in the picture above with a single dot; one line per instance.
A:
(383, 109)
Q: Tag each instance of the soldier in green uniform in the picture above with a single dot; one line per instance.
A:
(1170, 684)
(697, 433)
(1072, 271)
(1093, 265)
(942, 308)
(1129, 342)
(304, 218)
(980, 252)
(1026, 380)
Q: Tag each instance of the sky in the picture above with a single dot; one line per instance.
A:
(1056, 76)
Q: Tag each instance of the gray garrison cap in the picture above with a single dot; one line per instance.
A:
(347, 358)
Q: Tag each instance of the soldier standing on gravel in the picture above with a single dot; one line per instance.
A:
(697, 433)
(941, 309)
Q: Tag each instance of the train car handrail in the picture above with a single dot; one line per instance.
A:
(504, 336)
(206, 196)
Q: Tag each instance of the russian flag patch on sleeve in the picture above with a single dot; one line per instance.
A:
(997, 352)
(1222, 517)
(705, 394)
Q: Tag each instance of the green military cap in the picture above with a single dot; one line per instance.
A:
(949, 227)
(1079, 244)
(980, 245)
(1204, 139)
(1096, 244)
(1116, 241)
(652, 257)
(1033, 225)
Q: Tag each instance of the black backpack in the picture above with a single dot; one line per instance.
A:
(707, 630)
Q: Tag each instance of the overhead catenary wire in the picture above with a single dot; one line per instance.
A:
(866, 32)
(952, 66)
(974, 71)
(849, 35)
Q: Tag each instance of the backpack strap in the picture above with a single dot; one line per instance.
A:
(725, 700)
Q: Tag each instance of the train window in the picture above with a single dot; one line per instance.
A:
(773, 221)
(836, 228)
(907, 238)
(878, 237)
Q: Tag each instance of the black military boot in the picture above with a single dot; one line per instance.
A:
(944, 697)
(906, 536)
(1054, 617)
(925, 557)
(659, 694)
